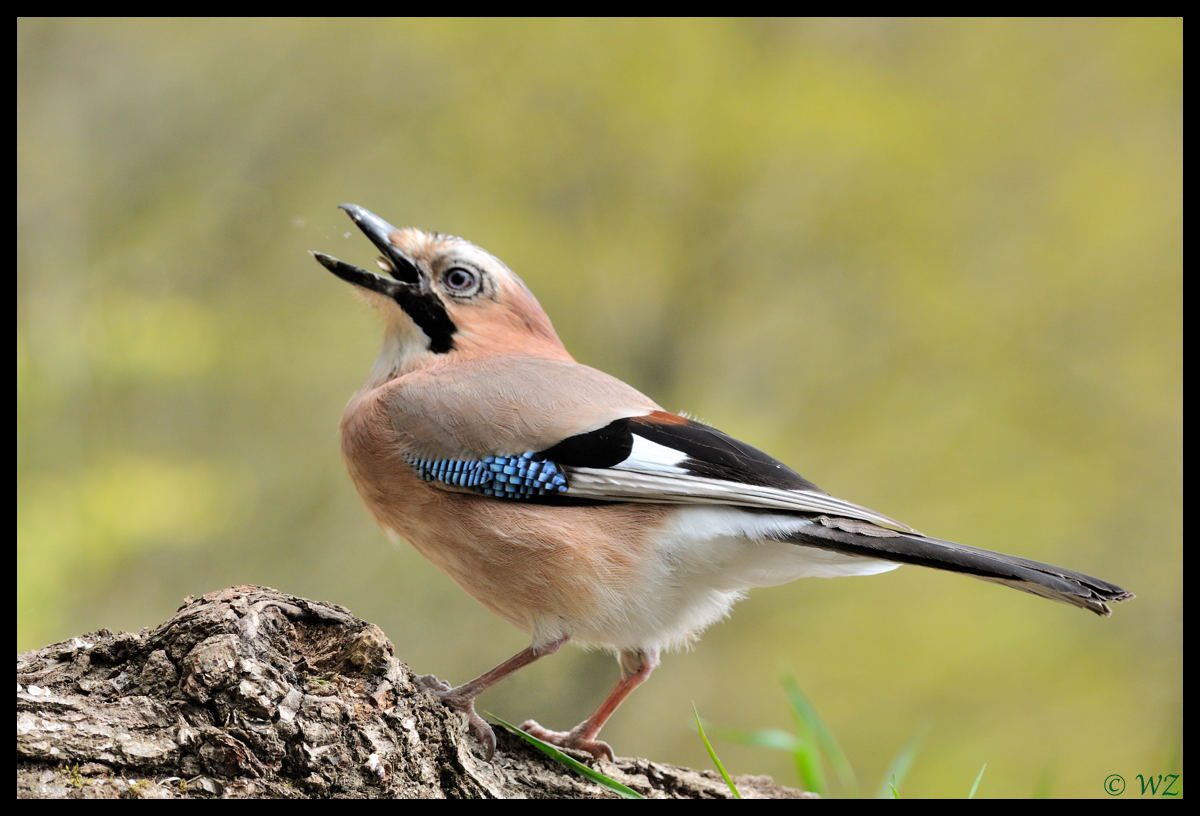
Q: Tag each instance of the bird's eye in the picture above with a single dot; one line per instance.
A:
(460, 280)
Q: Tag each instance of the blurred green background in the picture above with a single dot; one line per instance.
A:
(934, 265)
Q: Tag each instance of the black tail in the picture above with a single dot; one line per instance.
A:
(1046, 580)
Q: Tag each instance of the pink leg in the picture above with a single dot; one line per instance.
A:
(463, 697)
(636, 666)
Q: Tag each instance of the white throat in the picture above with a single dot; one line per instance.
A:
(403, 346)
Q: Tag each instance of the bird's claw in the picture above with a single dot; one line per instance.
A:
(569, 739)
(479, 726)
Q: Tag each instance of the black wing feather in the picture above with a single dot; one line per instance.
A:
(710, 453)
(601, 448)
(718, 455)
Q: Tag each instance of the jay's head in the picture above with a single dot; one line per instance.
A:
(444, 298)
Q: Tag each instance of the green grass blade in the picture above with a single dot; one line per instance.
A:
(774, 738)
(978, 779)
(574, 764)
(806, 758)
(899, 767)
(809, 769)
(806, 714)
(1045, 783)
(713, 754)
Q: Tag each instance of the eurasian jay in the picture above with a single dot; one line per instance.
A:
(575, 507)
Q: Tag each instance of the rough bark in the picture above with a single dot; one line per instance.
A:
(249, 692)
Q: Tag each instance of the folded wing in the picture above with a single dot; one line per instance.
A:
(669, 459)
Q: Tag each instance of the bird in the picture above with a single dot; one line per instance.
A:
(572, 505)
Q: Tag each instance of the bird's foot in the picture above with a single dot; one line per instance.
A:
(479, 726)
(570, 739)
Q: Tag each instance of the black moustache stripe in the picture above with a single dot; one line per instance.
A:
(427, 311)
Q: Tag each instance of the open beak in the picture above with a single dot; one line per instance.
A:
(406, 273)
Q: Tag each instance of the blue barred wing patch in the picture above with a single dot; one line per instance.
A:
(505, 477)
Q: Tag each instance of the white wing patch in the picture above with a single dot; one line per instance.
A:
(653, 457)
(645, 485)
